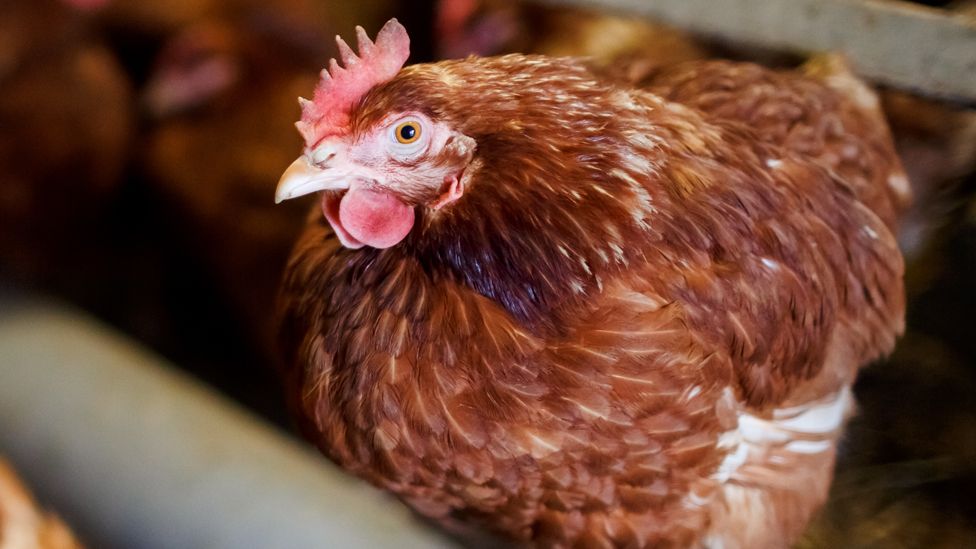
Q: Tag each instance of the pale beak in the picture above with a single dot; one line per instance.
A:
(303, 178)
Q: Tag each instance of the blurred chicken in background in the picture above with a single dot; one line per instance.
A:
(493, 27)
(164, 17)
(67, 119)
(220, 99)
(139, 28)
(155, 18)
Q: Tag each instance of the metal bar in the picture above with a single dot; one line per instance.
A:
(905, 45)
(135, 455)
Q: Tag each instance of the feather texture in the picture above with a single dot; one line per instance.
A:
(574, 352)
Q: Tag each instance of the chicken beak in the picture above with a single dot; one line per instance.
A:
(303, 178)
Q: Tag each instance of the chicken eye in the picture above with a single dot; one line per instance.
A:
(407, 132)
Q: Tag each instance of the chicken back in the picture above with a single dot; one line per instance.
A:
(613, 319)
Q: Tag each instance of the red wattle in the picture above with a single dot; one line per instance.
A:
(375, 218)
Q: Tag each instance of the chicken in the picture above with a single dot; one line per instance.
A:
(231, 77)
(571, 312)
(845, 132)
(22, 524)
(488, 27)
(233, 74)
(148, 20)
(65, 110)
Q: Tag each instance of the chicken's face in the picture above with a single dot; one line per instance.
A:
(373, 170)
(374, 178)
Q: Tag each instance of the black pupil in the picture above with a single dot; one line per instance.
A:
(408, 132)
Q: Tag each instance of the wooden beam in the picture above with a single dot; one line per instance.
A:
(905, 45)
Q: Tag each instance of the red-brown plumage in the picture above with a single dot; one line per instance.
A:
(578, 350)
(67, 119)
(843, 131)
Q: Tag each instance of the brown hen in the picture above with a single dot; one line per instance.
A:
(575, 313)
(221, 95)
(65, 111)
(492, 27)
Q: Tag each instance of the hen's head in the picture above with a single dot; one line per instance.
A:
(515, 174)
(375, 159)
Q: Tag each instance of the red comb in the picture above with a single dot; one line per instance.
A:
(342, 86)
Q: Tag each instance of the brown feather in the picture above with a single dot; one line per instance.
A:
(560, 355)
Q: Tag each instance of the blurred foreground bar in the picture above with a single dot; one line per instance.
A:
(928, 50)
(135, 455)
